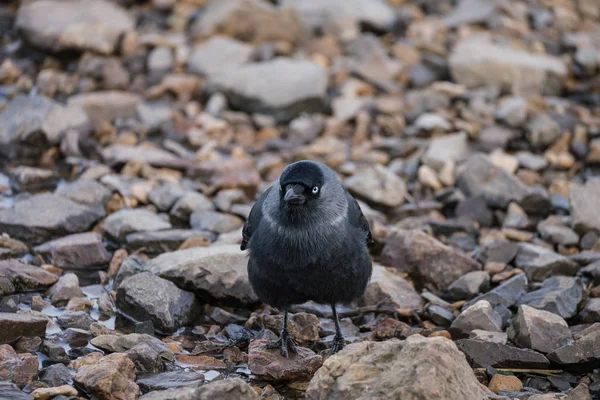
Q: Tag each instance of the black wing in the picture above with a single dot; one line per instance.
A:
(356, 218)
(253, 219)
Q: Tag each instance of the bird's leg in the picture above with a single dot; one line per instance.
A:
(285, 341)
(338, 339)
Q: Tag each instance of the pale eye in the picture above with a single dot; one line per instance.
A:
(315, 190)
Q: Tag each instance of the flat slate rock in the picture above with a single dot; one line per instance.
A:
(482, 354)
(85, 192)
(14, 326)
(560, 295)
(126, 221)
(169, 380)
(582, 355)
(42, 217)
(506, 294)
(78, 251)
(25, 277)
(159, 242)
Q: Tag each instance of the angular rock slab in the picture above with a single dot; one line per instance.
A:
(226, 389)
(540, 263)
(585, 203)
(126, 221)
(480, 315)
(14, 326)
(581, 355)
(213, 273)
(76, 251)
(294, 86)
(269, 364)
(378, 185)
(387, 287)
(95, 25)
(112, 377)
(560, 295)
(417, 368)
(147, 297)
(506, 294)
(482, 354)
(539, 330)
(46, 216)
(25, 277)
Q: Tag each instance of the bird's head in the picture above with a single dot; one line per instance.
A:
(301, 184)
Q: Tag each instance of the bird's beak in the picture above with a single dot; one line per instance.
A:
(294, 195)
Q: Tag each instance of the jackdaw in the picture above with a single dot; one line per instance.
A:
(307, 239)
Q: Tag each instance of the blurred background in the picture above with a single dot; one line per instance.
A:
(136, 135)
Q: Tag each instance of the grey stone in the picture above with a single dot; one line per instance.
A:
(95, 25)
(126, 221)
(226, 389)
(585, 203)
(554, 229)
(65, 289)
(153, 116)
(160, 60)
(590, 313)
(506, 294)
(213, 221)
(469, 285)
(581, 354)
(448, 148)
(145, 358)
(560, 295)
(122, 343)
(471, 12)
(10, 391)
(56, 375)
(44, 216)
(164, 196)
(283, 96)
(539, 330)
(78, 251)
(218, 53)
(542, 131)
(13, 326)
(122, 154)
(480, 315)
(24, 277)
(477, 61)
(164, 241)
(516, 218)
(392, 369)
(145, 297)
(170, 380)
(512, 111)
(531, 161)
(540, 263)
(87, 192)
(189, 203)
(213, 273)
(130, 266)
(378, 185)
(489, 336)
(483, 354)
(368, 59)
(386, 287)
(476, 209)
(439, 315)
(75, 319)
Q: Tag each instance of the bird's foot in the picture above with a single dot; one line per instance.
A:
(338, 344)
(284, 343)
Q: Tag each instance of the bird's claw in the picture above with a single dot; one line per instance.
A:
(338, 344)
(284, 343)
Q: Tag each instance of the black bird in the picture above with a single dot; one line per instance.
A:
(307, 239)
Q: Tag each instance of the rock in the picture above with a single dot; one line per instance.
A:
(317, 14)
(553, 229)
(145, 358)
(516, 218)
(49, 393)
(14, 326)
(252, 21)
(425, 258)
(112, 377)
(269, 364)
(476, 209)
(479, 62)
(18, 369)
(226, 389)
(78, 251)
(531, 161)
(378, 185)
(106, 106)
(539, 330)
(65, 289)
(56, 375)
(145, 296)
(86, 192)
(480, 315)
(75, 319)
(479, 177)
(444, 149)
(213, 221)
(469, 285)
(231, 173)
(10, 391)
(585, 200)
(164, 196)
(126, 221)
(591, 311)
(24, 277)
(489, 336)
(33, 178)
(392, 369)
(29, 124)
(370, 60)
(386, 287)
(542, 131)
(579, 355)
(189, 203)
(506, 294)
(129, 267)
(74, 25)
(281, 96)
(41, 217)
(512, 111)
(153, 116)
(505, 382)
(303, 327)
(169, 380)
(218, 53)
(559, 295)
(482, 354)
(122, 154)
(160, 60)
(158, 242)
(540, 263)
(217, 273)
(122, 343)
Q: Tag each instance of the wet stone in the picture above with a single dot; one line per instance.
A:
(18, 369)
(75, 319)
(24, 277)
(56, 375)
(169, 380)
(65, 289)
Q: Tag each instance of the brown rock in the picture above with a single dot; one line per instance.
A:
(75, 251)
(303, 327)
(111, 378)
(19, 369)
(426, 259)
(505, 382)
(49, 393)
(26, 277)
(116, 261)
(387, 287)
(269, 364)
(201, 362)
(65, 289)
(14, 326)
(378, 185)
